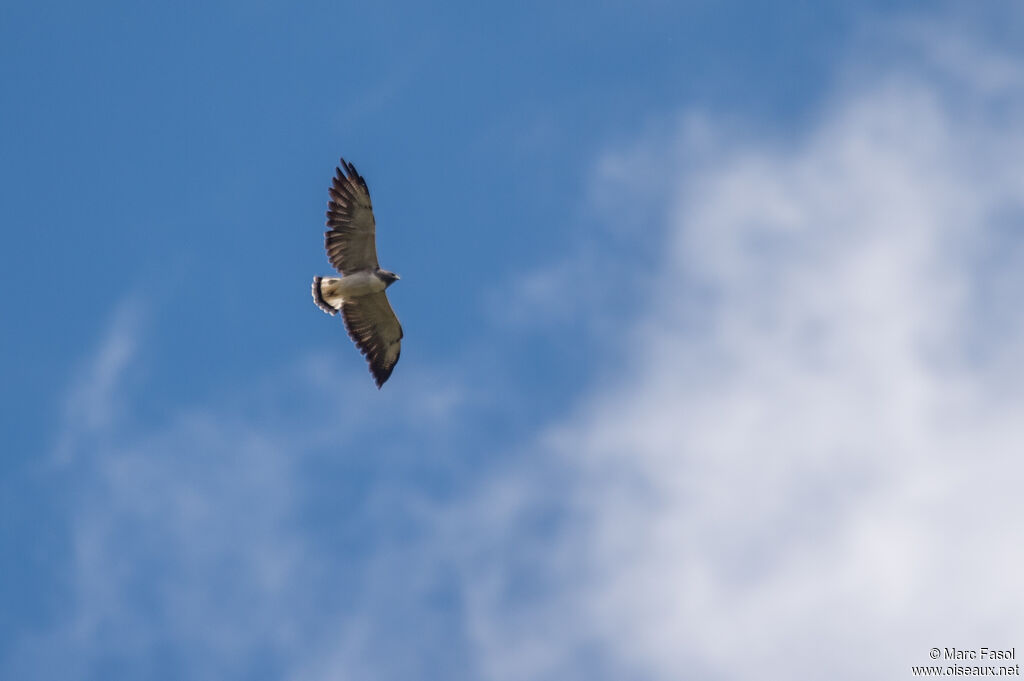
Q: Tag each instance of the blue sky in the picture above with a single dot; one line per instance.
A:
(712, 357)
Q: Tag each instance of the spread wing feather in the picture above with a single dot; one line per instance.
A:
(351, 239)
(373, 326)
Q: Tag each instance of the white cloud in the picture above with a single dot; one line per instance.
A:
(809, 464)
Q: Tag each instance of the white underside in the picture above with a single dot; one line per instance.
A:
(335, 290)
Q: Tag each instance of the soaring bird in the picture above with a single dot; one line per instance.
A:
(359, 293)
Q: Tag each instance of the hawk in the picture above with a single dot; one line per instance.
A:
(359, 293)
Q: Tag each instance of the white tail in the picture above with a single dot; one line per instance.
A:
(327, 294)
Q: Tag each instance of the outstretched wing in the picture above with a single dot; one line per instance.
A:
(351, 239)
(372, 324)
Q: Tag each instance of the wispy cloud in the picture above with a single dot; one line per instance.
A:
(245, 537)
(93, 400)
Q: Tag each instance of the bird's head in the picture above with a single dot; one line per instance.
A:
(388, 277)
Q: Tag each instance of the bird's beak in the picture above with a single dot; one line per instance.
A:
(397, 277)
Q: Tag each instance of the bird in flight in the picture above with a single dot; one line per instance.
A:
(359, 293)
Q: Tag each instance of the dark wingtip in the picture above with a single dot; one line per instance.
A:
(341, 171)
(347, 168)
(380, 375)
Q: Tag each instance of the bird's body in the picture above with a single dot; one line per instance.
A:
(334, 290)
(359, 294)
